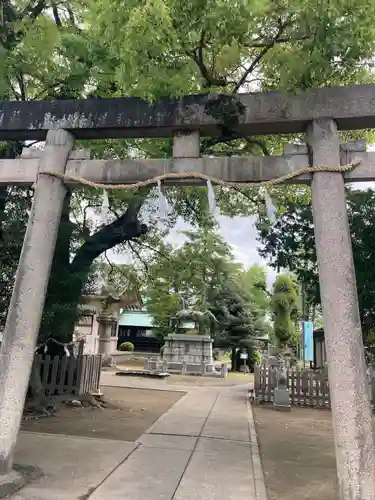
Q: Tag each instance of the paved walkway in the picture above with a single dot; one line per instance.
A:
(203, 448)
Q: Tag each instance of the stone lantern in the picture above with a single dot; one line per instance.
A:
(107, 320)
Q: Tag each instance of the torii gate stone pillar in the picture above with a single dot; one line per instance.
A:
(26, 306)
(351, 411)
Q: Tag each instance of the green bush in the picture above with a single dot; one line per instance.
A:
(255, 359)
(162, 351)
(127, 347)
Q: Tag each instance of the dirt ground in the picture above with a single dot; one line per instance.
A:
(131, 413)
(297, 453)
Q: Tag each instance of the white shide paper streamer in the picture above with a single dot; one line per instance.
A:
(270, 208)
(163, 202)
(104, 211)
(211, 197)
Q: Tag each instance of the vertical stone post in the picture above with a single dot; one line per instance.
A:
(186, 145)
(106, 323)
(351, 412)
(186, 152)
(26, 306)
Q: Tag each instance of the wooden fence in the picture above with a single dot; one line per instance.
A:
(75, 376)
(307, 388)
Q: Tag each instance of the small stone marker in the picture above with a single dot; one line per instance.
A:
(281, 396)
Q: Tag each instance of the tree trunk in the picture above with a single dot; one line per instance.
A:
(64, 289)
(68, 278)
(234, 361)
(38, 395)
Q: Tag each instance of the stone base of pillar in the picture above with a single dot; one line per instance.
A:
(17, 478)
(107, 361)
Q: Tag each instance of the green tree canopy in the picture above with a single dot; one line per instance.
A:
(291, 245)
(202, 274)
(254, 281)
(237, 317)
(185, 275)
(285, 305)
(166, 47)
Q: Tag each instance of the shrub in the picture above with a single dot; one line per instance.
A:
(162, 351)
(126, 346)
(255, 359)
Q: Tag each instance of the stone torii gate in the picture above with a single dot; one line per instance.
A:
(320, 113)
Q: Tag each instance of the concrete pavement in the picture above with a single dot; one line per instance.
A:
(204, 447)
(201, 449)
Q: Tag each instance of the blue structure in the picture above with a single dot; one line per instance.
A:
(136, 325)
(308, 340)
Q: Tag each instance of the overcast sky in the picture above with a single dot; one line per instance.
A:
(241, 234)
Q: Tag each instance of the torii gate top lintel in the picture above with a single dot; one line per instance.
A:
(263, 113)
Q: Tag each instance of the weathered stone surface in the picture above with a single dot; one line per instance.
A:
(352, 107)
(351, 413)
(23, 172)
(188, 348)
(17, 478)
(26, 306)
(282, 399)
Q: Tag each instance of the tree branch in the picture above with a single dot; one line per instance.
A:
(251, 68)
(198, 57)
(138, 255)
(151, 248)
(56, 15)
(257, 142)
(71, 15)
(267, 43)
(260, 56)
(125, 228)
(245, 195)
(109, 263)
(209, 143)
(9, 35)
(33, 11)
(21, 85)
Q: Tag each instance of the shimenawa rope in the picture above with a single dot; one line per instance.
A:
(197, 175)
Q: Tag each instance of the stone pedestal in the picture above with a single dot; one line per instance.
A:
(180, 348)
(106, 322)
(281, 400)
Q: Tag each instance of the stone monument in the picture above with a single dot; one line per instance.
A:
(281, 400)
(182, 348)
